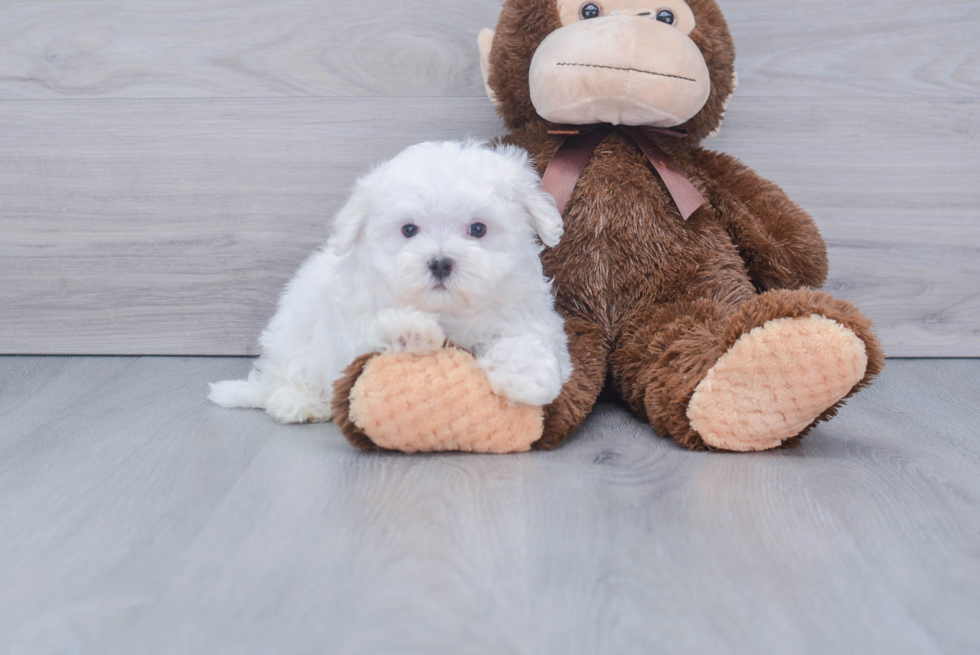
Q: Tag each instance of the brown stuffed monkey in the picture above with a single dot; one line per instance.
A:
(701, 315)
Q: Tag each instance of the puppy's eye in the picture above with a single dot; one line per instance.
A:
(410, 231)
(478, 230)
(590, 10)
(666, 16)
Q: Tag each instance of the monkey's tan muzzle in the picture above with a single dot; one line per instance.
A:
(621, 70)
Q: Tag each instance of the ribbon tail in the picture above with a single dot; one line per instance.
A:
(566, 166)
(685, 195)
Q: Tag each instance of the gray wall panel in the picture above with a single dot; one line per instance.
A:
(164, 166)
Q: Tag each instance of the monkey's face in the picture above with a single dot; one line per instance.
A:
(615, 62)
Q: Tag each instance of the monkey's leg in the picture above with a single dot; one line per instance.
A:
(429, 401)
(588, 346)
(746, 378)
(441, 400)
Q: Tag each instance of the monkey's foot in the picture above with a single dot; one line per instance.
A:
(775, 381)
(427, 402)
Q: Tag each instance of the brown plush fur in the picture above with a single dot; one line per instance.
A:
(656, 299)
(650, 300)
(341, 404)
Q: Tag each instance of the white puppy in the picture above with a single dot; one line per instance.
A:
(436, 244)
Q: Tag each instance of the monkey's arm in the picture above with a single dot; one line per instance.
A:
(777, 239)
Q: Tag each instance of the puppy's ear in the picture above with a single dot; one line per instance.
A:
(545, 217)
(540, 206)
(348, 224)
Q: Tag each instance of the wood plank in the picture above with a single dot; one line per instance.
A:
(28, 385)
(139, 514)
(168, 227)
(229, 48)
(223, 48)
(870, 49)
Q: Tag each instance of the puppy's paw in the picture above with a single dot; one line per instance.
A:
(291, 404)
(404, 330)
(533, 381)
(522, 389)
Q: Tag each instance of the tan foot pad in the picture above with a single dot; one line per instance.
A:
(439, 401)
(775, 381)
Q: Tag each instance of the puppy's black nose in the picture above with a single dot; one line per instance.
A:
(441, 267)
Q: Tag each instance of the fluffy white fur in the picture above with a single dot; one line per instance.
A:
(371, 288)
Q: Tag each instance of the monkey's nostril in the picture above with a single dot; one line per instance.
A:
(441, 267)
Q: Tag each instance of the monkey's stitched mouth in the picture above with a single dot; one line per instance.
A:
(629, 70)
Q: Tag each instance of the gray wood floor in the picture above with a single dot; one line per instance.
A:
(136, 518)
(164, 166)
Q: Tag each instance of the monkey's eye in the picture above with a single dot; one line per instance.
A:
(590, 10)
(478, 230)
(666, 16)
(410, 230)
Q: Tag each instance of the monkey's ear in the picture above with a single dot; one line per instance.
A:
(485, 42)
(724, 108)
(348, 224)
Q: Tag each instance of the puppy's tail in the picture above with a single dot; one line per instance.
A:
(239, 393)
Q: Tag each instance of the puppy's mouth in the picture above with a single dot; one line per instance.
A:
(447, 284)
